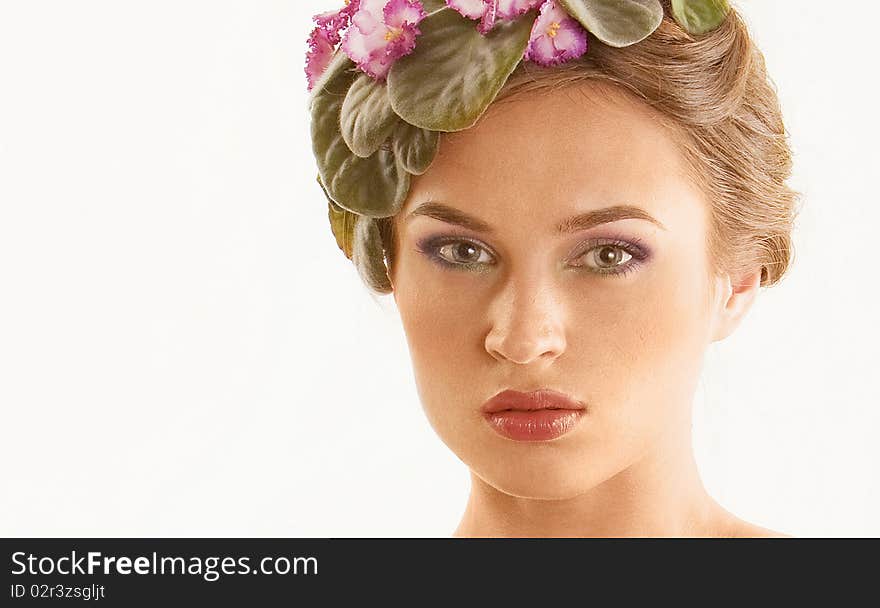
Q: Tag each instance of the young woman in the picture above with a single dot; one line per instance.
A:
(562, 264)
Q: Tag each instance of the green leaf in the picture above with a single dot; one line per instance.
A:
(337, 63)
(455, 72)
(367, 118)
(375, 186)
(433, 5)
(341, 223)
(368, 255)
(699, 16)
(617, 23)
(413, 147)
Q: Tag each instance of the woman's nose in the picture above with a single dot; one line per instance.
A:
(526, 324)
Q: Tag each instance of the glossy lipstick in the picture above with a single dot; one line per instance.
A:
(536, 416)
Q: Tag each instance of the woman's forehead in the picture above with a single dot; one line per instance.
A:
(552, 154)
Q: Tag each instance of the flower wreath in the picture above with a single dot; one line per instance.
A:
(387, 76)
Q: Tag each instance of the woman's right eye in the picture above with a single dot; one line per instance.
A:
(460, 253)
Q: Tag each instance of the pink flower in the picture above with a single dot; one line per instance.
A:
(382, 31)
(324, 38)
(511, 9)
(472, 9)
(487, 11)
(318, 56)
(556, 37)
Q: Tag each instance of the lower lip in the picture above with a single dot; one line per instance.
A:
(533, 425)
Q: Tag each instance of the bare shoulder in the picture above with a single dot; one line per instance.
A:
(727, 525)
(734, 527)
(745, 529)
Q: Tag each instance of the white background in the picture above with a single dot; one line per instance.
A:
(185, 352)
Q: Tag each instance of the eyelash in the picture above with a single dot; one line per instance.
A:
(432, 245)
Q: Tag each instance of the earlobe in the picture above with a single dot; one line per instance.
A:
(737, 297)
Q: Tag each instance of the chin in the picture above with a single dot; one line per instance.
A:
(552, 482)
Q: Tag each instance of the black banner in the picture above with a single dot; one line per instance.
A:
(177, 571)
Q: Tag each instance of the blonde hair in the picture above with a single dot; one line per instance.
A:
(715, 92)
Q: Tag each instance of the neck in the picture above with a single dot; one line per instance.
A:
(660, 494)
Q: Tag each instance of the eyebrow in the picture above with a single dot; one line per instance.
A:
(581, 221)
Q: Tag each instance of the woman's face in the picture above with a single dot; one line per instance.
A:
(616, 314)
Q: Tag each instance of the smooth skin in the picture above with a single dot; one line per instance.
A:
(528, 308)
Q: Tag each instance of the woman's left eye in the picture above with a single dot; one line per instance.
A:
(606, 258)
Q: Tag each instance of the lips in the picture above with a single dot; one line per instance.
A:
(543, 399)
(536, 416)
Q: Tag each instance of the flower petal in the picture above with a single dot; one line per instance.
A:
(382, 32)
(318, 56)
(511, 9)
(489, 11)
(398, 12)
(362, 45)
(403, 43)
(366, 21)
(541, 51)
(571, 39)
(325, 37)
(556, 37)
(550, 12)
(472, 9)
(374, 7)
(487, 22)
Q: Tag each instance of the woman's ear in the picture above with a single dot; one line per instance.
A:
(737, 295)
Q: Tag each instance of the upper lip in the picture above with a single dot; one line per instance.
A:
(535, 400)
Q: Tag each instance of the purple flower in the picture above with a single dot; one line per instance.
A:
(556, 37)
(472, 9)
(511, 9)
(324, 38)
(382, 31)
(487, 11)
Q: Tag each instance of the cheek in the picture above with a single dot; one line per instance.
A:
(444, 323)
(442, 318)
(641, 344)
